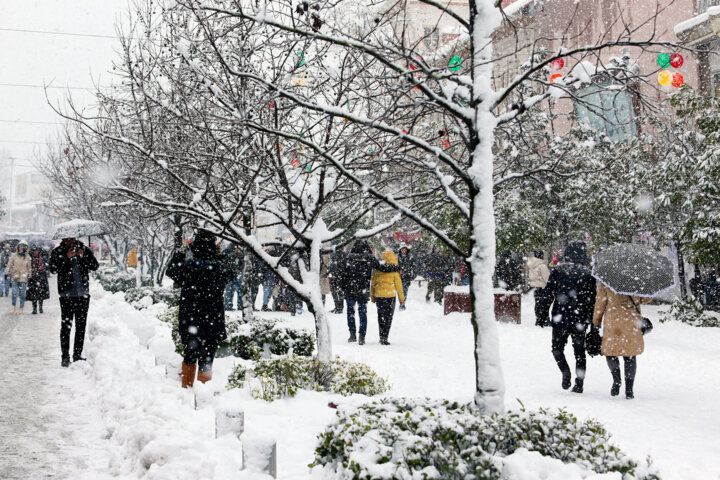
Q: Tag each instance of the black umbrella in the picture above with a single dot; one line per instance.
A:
(631, 269)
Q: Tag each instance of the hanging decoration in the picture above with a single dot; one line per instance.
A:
(557, 64)
(663, 60)
(663, 78)
(555, 76)
(676, 60)
(455, 63)
(677, 80)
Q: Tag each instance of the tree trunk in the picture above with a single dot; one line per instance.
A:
(247, 300)
(681, 271)
(315, 303)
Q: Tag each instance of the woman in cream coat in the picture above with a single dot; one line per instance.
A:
(622, 336)
(19, 270)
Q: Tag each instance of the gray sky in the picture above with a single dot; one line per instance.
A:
(45, 59)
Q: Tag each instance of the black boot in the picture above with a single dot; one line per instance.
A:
(34, 312)
(564, 368)
(630, 369)
(352, 338)
(40, 305)
(65, 362)
(578, 388)
(614, 366)
(361, 340)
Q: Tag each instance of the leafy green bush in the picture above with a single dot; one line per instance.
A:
(436, 439)
(169, 296)
(690, 312)
(284, 376)
(113, 280)
(251, 338)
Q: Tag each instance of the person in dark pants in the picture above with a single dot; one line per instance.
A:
(439, 274)
(235, 259)
(571, 291)
(407, 266)
(356, 276)
(538, 274)
(38, 289)
(508, 272)
(201, 318)
(72, 262)
(383, 289)
(337, 261)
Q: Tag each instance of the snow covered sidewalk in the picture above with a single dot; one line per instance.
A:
(46, 428)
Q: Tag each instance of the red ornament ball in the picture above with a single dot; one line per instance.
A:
(676, 60)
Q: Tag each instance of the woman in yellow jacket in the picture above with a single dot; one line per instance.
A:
(383, 289)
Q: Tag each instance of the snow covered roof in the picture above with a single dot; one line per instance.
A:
(516, 6)
(700, 28)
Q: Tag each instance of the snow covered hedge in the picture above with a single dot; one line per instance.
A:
(690, 312)
(143, 297)
(434, 439)
(281, 377)
(252, 339)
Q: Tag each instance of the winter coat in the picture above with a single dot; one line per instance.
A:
(387, 285)
(357, 273)
(538, 272)
(201, 311)
(324, 272)
(508, 272)
(438, 266)
(19, 268)
(571, 288)
(4, 258)
(622, 336)
(132, 259)
(62, 265)
(407, 265)
(235, 261)
(38, 287)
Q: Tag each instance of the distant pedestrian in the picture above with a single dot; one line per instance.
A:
(4, 280)
(235, 259)
(19, 270)
(571, 291)
(324, 276)
(538, 274)
(38, 289)
(72, 262)
(711, 291)
(268, 280)
(383, 289)
(439, 274)
(622, 336)
(407, 270)
(201, 317)
(508, 272)
(337, 262)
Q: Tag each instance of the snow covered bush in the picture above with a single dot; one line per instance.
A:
(170, 316)
(690, 312)
(169, 296)
(252, 339)
(284, 376)
(113, 280)
(436, 439)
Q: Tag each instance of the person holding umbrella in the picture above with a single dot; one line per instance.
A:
(629, 276)
(72, 262)
(571, 291)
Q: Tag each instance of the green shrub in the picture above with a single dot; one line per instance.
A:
(113, 280)
(169, 296)
(251, 338)
(436, 439)
(286, 375)
(690, 312)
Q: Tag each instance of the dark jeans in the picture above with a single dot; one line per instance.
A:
(337, 294)
(73, 308)
(200, 352)
(542, 308)
(362, 313)
(385, 310)
(630, 370)
(230, 290)
(559, 340)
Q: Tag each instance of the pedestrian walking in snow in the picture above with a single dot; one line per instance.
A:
(324, 276)
(72, 262)
(538, 274)
(38, 289)
(4, 280)
(337, 262)
(356, 278)
(201, 318)
(571, 291)
(19, 271)
(235, 260)
(508, 272)
(439, 274)
(383, 289)
(267, 277)
(622, 336)
(407, 270)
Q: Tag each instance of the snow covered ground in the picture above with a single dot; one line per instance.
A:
(120, 416)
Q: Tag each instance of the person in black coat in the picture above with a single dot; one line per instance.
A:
(571, 290)
(355, 281)
(201, 317)
(72, 262)
(38, 289)
(508, 271)
(439, 274)
(335, 269)
(407, 270)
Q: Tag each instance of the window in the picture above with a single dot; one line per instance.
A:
(608, 110)
(431, 38)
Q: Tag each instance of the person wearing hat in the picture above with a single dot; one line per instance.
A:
(19, 270)
(72, 261)
(4, 281)
(201, 319)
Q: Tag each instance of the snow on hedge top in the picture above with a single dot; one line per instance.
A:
(77, 228)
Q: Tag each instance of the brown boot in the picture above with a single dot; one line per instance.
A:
(188, 375)
(204, 376)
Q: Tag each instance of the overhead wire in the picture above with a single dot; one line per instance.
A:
(48, 32)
